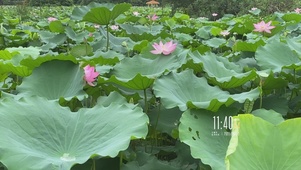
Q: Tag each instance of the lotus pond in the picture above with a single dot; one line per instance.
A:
(111, 87)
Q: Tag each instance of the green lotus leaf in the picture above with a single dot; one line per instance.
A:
(277, 55)
(294, 44)
(40, 134)
(272, 82)
(34, 52)
(105, 58)
(247, 46)
(139, 72)
(274, 102)
(207, 137)
(81, 50)
(204, 32)
(269, 115)
(9, 67)
(138, 82)
(103, 15)
(140, 29)
(291, 17)
(174, 92)
(263, 144)
(32, 63)
(53, 80)
(215, 42)
(56, 26)
(77, 37)
(222, 72)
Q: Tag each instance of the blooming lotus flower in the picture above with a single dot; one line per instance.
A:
(114, 27)
(214, 14)
(153, 18)
(136, 13)
(263, 27)
(224, 33)
(164, 49)
(253, 9)
(90, 74)
(298, 10)
(50, 19)
(96, 26)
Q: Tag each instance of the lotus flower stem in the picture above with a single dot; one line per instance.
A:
(108, 41)
(145, 102)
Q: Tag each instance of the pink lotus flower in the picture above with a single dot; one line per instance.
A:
(166, 48)
(90, 34)
(114, 27)
(153, 18)
(298, 10)
(263, 27)
(224, 33)
(253, 9)
(214, 14)
(90, 74)
(136, 13)
(50, 19)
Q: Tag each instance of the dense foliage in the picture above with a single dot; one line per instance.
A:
(107, 86)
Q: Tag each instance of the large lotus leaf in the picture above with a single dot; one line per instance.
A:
(34, 52)
(275, 102)
(140, 29)
(103, 15)
(77, 37)
(221, 72)
(38, 134)
(53, 80)
(173, 90)
(269, 115)
(79, 12)
(291, 17)
(247, 46)
(294, 43)
(81, 50)
(264, 145)
(207, 142)
(20, 70)
(56, 26)
(215, 42)
(105, 58)
(32, 63)
(275, 56)
(139, 73)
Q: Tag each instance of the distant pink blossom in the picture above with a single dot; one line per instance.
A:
(214, 14)
(114, 27)
(263, 27)
(164, 49)
(153, 18)
(90, 34)
(136, 13)
(50, 19)
(224, 33)
(298, 10)
(90, 74)
(253, 9)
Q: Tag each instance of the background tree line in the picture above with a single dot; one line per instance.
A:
(191, 7)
